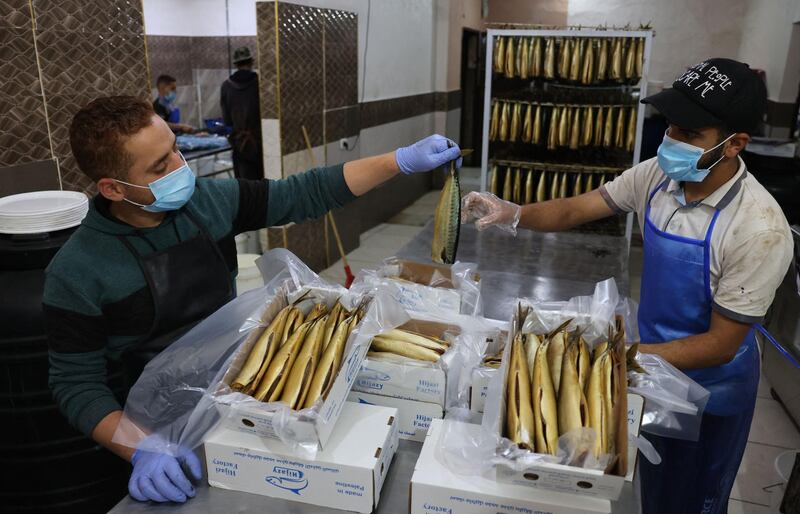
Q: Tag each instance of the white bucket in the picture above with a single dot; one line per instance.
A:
(783, 466)
(249, 276)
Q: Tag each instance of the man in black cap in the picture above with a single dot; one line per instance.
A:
(716, 247)
(240, 110)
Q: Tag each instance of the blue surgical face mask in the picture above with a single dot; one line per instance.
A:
(171, 191)
(679, 160)
(171, 96)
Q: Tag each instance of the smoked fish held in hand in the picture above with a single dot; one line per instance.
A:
(447, 219)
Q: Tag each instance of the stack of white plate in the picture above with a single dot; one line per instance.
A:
(42, 211)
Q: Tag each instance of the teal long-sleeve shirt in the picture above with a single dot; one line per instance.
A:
(96, 302)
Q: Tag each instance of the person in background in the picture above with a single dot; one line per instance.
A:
(164, 104)
(240, 110)
(716, 247)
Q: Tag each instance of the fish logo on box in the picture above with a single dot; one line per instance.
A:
(371, 378)
(289, 479)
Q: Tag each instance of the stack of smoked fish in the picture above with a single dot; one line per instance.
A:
(563, 125)
(398, 344)
(296, 358)
(580, 60)
(556, 384)
(524, 186)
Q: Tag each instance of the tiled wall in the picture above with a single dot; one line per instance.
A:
(313, 80)
(79, 50)
(200, 65)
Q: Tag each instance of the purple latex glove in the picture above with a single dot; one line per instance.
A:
(160, 476)
(427, 154)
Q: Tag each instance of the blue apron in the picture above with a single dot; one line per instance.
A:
(693, 477)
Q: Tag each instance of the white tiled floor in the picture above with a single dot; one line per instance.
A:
(772, 431)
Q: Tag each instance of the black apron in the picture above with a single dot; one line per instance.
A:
(187, 281)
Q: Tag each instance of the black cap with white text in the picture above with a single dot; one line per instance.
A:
(715, 92)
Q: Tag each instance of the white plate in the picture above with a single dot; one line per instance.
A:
(41, 202)
(42, 228)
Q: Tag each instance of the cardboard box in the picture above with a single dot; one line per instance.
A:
(480, 384)
(413, 418)
(435, 489)
(252, 420)
(561, 478)
(408, 381)
(348, 474)
(422, 285)
(584, 482)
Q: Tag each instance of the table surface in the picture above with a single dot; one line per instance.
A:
(532, 265)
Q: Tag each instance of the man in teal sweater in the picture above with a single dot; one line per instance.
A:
(156, 254)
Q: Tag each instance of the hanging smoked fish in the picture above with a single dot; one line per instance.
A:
(493, 180)
(619, 131)
(563, 126)
(527, 125)
(552, 133)
(577, 187)
(494, 120)
(565, 58)
(598, 128)
(602, 179)
(616, 61)
(639, 57)
(529, 187)
(515, 122)
(524, 58)
(562, 188)
(499, 55)
(576, 59)
(510, 60)
(587, 73)
(536, 57)
(550, 59)
(588, 126)
(602, 60)
(608, 129)
(589, 183)
(507, 185)
(630, 59)
(502, 131)
(575, 129)
(536, 136)
(541, 187)
(630, 133)
(554, 186)
(517, 188)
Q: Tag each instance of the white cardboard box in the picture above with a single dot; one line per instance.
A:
(413, 418)
(480, 384)
(252, 420)
(348, 474)
(422, 383)
(436, 489)
(569, 479)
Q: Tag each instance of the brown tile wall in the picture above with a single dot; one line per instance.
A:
(85, 49)
(23, 137)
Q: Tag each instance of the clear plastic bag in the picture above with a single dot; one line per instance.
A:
(184, 392)
(441, 382)
(426, 287)
(674, 403)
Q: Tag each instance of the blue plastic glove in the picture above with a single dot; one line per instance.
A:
(159, 476)
(427, 154)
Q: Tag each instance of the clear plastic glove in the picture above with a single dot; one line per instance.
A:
(427, 154)
(487, 210)
(160, 477)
